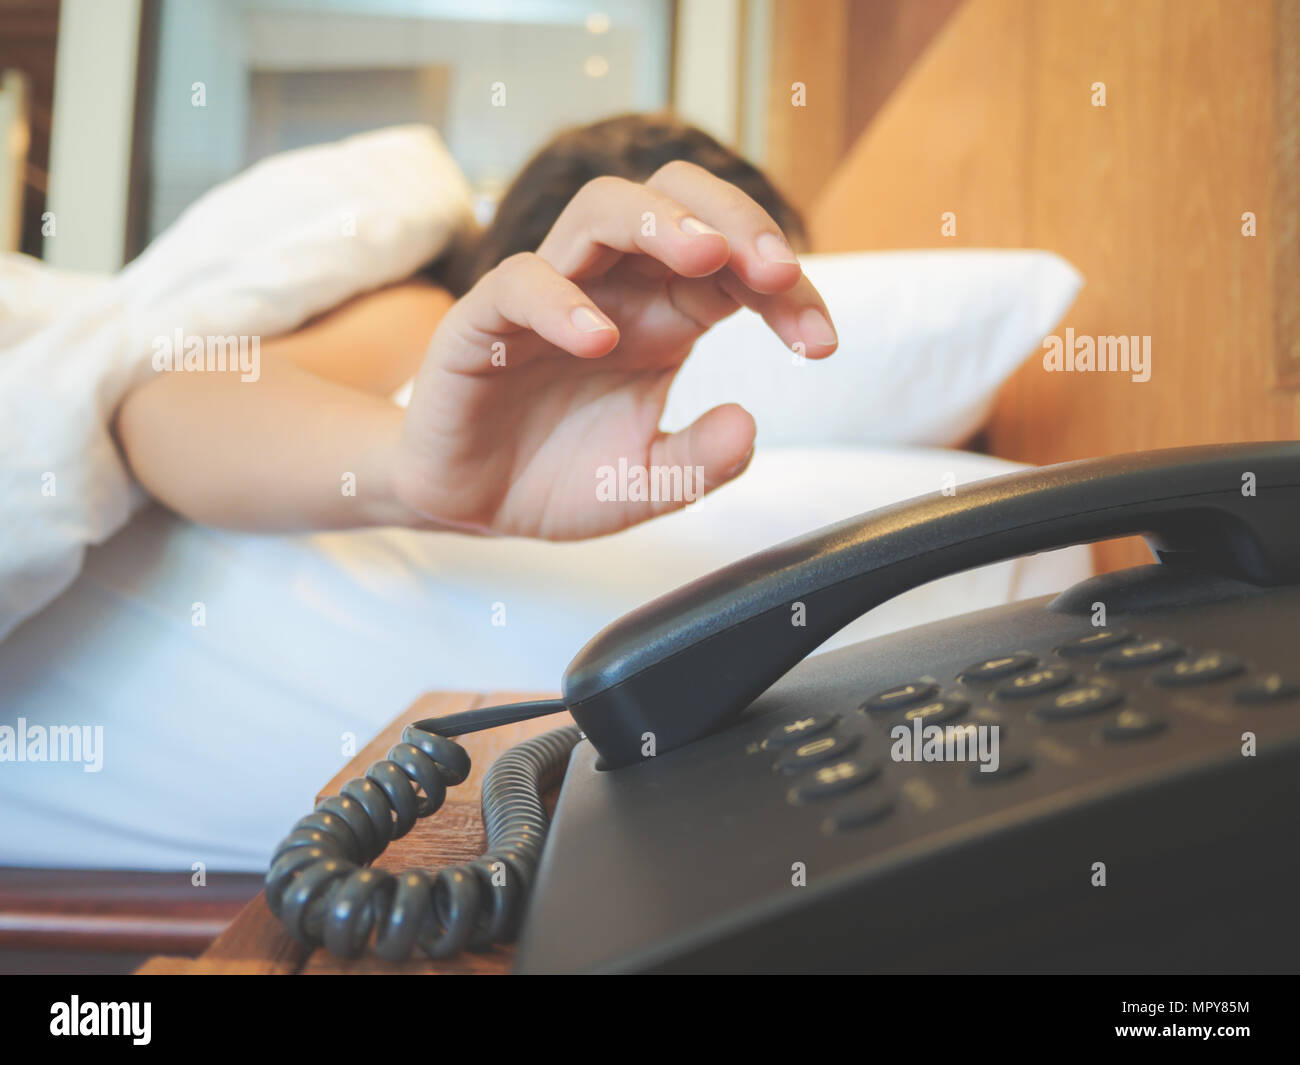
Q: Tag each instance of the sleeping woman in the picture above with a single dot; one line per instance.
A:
(556, 333)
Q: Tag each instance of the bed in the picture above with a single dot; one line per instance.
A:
(994, 123)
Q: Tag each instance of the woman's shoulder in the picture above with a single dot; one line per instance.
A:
(374, 341)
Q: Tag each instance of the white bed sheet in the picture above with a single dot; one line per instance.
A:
(216, 736)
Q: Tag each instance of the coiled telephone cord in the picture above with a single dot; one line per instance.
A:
(322, 887)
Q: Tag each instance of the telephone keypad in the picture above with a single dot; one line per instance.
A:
(1055, 695)
(800, 729)
(1035, 683)
(1200, 669)
(1146, 653)
(1095, 642)
(816, 751)
(902, 695)
(1272, 687)
(997, 668)
(834, 779)
(938, 711)
(1131, 725)
(1078, 702)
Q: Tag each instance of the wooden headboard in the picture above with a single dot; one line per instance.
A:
(1154, 196)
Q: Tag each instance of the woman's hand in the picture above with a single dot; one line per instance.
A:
(557, 364)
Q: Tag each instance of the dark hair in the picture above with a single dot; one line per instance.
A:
(630, 146)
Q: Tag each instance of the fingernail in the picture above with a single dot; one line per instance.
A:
(740, 466)
(696, 228)
(815, 328)
(588, 321)
(773, 249)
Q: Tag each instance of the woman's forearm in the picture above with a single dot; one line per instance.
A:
(288, 451)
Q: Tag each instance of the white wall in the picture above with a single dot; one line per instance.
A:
(538, 48)
(194, 147)
(90, 151)
(708, 59)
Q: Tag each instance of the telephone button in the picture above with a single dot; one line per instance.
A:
(815, 751)
(1268, 689)
(1035, 683)
(1078, 702)
(1132, 725)
(902, 695)
(834, 779)
(1201, 669)
(1095, 642)
(1146, 653)
(1010, 764)
(997, 668)
(860, 814)
(938, 711)
(799, 730)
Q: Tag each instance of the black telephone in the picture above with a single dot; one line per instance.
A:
(1017, 789)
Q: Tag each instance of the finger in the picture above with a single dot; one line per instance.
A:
(760, 254)
(704, 300)
(799, 317)
(610, 217)
(525, 292)
(720, 442)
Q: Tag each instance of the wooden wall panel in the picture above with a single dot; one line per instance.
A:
(1286, 194)
(850, 54)
(1144, 195)
(804, 143)
(884, 38)
(953, 137)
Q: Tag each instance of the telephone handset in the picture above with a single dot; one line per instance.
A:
(683, 859)
(689, 661)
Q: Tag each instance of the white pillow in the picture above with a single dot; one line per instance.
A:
(926, 339)
(215, 735)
